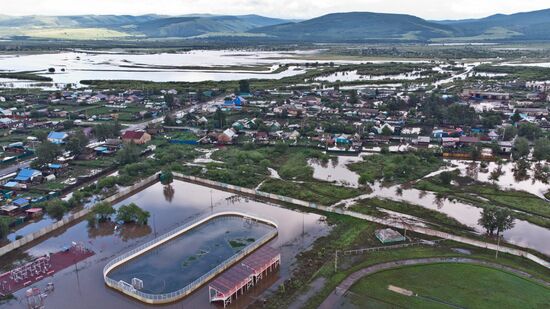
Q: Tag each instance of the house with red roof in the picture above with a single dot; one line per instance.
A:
(136, 137)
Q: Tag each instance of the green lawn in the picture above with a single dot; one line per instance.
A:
(463, 285)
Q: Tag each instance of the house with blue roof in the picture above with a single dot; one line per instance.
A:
(57, 137)
(236, 102)
(22, 203)
(27, 175)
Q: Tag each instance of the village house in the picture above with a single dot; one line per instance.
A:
(57, 137)
(136, 137)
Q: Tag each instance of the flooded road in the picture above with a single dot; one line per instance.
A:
(83, 284)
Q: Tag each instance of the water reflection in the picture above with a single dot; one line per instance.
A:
(168, 192)
(297, 231)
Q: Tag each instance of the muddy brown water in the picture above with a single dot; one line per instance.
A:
(82, 286)
(524, 234)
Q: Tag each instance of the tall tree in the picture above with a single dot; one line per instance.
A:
(244, 86)
(219, 118)
(46, 152)
(542, 149)
(77, 143)
(521, 148)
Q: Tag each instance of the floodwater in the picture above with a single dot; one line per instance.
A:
(177, 263)
(336, 170)
(523, 234)
(507, 181)
(349, 76)
(170, 207)
(73, 67)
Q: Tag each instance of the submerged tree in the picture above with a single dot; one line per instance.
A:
(496, 219)
(132, 213)
(103, 211)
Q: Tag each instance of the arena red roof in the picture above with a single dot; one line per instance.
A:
(240, 274)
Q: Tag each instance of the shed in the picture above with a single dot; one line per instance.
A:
(34, 212)
(389, 236)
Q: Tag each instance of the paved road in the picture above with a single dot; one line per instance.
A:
(14, 167)
(335, 298)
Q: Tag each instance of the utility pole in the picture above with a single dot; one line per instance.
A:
(498, 246)
(211, 202)
(336, 261)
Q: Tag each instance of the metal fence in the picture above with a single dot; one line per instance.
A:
(173, 296)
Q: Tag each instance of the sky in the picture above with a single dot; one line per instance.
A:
(296, 9)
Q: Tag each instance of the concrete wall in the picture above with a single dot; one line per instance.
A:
(417, 229)
(73, 217)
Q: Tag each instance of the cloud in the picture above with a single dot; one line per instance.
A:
(429, 9)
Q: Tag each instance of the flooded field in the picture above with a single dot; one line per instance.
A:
(191, 66)
(507, 181)
(336, 170)
(83, 284)
(350, 76)
(523, 234)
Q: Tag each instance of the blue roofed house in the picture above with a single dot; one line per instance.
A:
(236, 102)
(22, 203)
(27, 175)
(57, 137)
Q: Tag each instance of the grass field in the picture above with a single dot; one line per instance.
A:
(462, 285)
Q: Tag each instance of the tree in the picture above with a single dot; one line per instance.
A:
(219, 118)
(515, 117)
(386, 131)
(4, 227)
(353, 97)
(542, 172)
(103, 211)
(530, 131)
(55, 208)
(487, 220)
(542, 149)
(77, 143)
(494, 176)
(446, 178)
(509, 132)
(496, 219)
(132, 213)
(129, 154)
(46, 152)
(107, 130)
(520, 169)
(170, 121)
(521, 148)
(504, 220)
(244, 86)
(475, 153)
(170, 100)
(166, 177)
